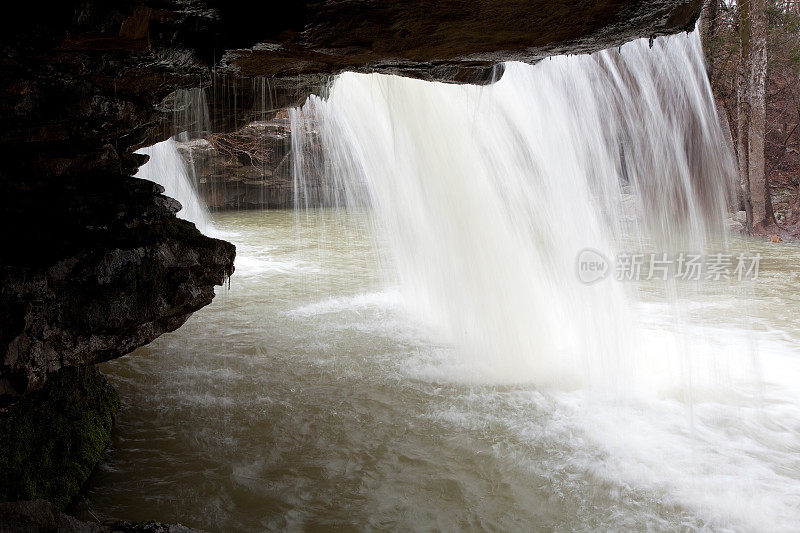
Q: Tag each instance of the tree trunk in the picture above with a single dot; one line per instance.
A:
(794, 215)
(743, 111)
(759, 188)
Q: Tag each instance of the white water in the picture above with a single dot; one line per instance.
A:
(486, 196)
(167, 168)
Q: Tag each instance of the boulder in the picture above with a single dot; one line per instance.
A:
(51, 441)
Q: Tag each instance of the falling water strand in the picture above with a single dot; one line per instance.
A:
(486, 195)
(167, 168)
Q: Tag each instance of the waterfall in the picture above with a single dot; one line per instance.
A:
(167, 168)
(486, 196)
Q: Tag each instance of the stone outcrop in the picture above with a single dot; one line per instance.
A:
(40, 516)
(93, 278)
(450, 41)
(51, 441)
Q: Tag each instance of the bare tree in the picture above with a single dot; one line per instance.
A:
(762, 216)
(753, 53)
(743, 106)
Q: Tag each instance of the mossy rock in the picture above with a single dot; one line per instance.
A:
(51, 440)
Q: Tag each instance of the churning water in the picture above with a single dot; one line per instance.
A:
(425, 356)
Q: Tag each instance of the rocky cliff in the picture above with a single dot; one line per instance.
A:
(98, 265)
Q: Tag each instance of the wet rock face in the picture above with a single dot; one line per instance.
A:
(94, 278)
(452, 41)
(247, 169)
(87, 74)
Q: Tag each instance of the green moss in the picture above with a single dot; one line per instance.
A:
(51, 441)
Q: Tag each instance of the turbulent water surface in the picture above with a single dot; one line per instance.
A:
(306, 397)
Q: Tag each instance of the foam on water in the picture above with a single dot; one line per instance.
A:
(383, 300)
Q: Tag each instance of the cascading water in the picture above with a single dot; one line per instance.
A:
(167, 168)
(486, 196)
